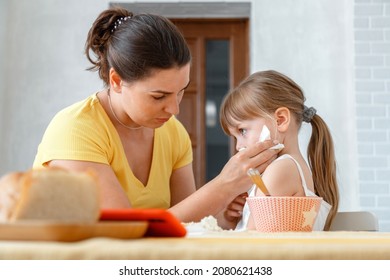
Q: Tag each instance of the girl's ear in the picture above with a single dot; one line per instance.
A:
(115, 81)
(283, 118)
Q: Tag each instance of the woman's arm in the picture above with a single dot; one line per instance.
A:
(183, 185)
(112, 194)
(187, 204)
(233, 180)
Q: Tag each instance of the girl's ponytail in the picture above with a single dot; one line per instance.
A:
(321, 157)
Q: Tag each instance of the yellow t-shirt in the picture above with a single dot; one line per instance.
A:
(83, 131)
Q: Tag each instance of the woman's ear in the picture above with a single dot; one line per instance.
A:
(115, 81)
(283, 118)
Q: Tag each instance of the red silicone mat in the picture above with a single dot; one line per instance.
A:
(161, 222)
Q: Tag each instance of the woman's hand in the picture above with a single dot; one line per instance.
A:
(214, 197)
(258, 156)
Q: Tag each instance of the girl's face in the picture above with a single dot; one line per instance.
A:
(248, 132)
(152, 101)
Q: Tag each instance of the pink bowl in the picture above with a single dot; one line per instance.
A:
(284, 213)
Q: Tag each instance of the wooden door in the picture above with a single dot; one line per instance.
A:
(192, 109)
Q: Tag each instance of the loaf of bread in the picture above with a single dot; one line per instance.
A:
(49, 194)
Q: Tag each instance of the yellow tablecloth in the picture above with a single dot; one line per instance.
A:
(214, 245)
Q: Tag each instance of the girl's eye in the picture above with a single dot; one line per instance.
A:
(159, 97)
(242, 131)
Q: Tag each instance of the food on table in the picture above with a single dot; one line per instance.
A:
(50, 194)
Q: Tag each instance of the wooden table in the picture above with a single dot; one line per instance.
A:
(213, 245)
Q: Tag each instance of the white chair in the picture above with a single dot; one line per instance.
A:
(355, 221)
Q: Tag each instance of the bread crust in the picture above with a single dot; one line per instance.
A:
(9, 194)
(51, 194)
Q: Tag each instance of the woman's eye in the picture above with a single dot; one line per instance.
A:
(242, 131)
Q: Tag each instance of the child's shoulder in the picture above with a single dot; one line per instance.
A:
(283, 176)
(284, 164)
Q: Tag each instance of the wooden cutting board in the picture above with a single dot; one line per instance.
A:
(41, 231)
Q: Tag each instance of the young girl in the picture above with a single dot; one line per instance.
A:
(272, 100)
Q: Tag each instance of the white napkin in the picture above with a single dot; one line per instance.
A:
(265, 134)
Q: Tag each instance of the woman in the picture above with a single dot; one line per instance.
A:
(128, 132)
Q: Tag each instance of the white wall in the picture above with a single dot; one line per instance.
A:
(3, 49)
(372, 62)
(311, 41)
(44, 70)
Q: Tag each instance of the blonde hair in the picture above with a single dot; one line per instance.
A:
(260, 95)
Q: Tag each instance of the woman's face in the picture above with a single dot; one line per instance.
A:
(248, 132)
(152, 101)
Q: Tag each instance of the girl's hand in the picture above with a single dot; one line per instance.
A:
(235, 208)
(229, 217)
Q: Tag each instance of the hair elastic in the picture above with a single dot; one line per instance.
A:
(308, 113)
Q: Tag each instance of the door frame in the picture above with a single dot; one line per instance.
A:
(191, 10)
(197, 32)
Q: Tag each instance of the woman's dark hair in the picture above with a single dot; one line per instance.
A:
(134, 45)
